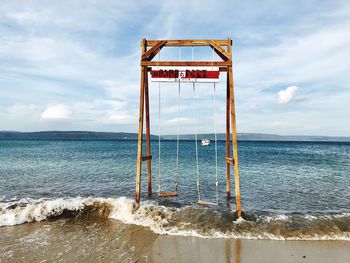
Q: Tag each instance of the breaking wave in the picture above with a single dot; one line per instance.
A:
(185, 221)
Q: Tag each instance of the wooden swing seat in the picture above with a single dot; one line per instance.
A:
(205, 203)
(167, 194)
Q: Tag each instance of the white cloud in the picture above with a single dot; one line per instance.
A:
(299, 58)
(287, 96)
(75, 58)
(57, 112)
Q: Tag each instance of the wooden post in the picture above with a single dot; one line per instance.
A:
(228, 166)
(140, 132)
(148, 133)
(148, 138)
(234, 138)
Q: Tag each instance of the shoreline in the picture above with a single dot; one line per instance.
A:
(92, 239)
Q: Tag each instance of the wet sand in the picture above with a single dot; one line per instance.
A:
(190, 249)
(87, 240)
(91, 240)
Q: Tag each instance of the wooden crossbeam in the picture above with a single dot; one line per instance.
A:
(186, 63)
(167, 194)
(221, 69)
(188, 43)
(219, 50)
(150, 54)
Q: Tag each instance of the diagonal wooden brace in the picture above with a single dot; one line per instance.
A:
(151, 53)
(220, 51)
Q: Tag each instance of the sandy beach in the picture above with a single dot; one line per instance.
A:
(92, 240)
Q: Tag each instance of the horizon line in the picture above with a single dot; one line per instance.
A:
(206, 133)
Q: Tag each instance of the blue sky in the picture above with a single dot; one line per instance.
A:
(74, 65)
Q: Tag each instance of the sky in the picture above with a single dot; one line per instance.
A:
(75, 65)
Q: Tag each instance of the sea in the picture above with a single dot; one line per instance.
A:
(68, 197)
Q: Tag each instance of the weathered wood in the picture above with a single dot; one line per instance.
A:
(150, 54)
(167, 194)
(188, 43)
(228, 131)
(234, 142)
(219, 50)
(186, 63)
(148, 142)
(139, 137)
(201, 202)
(148, 133)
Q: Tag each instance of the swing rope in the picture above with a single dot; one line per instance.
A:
(160, 193)
(216, 151)
(178, 131)
(178, 140)
(159, 130)
(215, 138)
(200, 202)
(195, 136)
(196, 139)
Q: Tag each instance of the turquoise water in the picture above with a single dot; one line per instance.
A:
(289, 190)
(280, 176)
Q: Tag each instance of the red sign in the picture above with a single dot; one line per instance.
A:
(185, 75)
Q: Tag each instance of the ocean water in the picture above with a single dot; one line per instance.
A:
(289, 190)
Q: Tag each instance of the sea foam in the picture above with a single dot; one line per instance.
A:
(185, 221)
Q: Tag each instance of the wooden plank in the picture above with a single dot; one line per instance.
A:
(150, 54)
(201, 202)
(167, 194)
(220, 51)
(234, 142)
(186, 63)
(188, 42)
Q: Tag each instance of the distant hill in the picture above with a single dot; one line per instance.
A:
(259, 137)
(88, 135)
(67, 135)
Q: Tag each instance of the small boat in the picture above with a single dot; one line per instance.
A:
(205, 142)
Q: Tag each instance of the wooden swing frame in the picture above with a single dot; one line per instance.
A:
(149, 49)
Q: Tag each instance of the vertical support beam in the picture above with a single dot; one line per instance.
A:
(234, 139)
(148, 136)
(228, 131)
(148, 133)
(140, 132)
